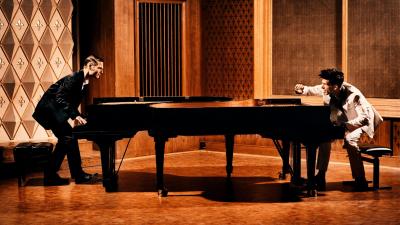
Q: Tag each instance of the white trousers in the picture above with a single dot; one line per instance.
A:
(324, 153)
(351, 145)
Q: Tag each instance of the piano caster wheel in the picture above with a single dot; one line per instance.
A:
(163, 192)
(312, 193)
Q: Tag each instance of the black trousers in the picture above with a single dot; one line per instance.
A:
(68, 146)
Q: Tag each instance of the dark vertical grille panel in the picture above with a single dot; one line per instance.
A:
(306, 38)
(160, 44)
(374, 47)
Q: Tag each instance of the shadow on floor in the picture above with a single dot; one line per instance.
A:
(246, 189)
(240, 189)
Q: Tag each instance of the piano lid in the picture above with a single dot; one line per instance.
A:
(130, 103)
(160, 99)
(269, 102)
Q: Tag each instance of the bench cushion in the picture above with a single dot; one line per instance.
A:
(31, 147)
(31, 155)
(375, 150)
(30, 152)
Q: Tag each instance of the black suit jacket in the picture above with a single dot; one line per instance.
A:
(60, 102)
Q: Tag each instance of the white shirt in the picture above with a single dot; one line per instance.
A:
(354, 109)
(85, 82)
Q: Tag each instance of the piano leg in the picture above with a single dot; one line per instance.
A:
(229, 142)
(160, 146)
(284, 152)
(107, 152)
(311, 151)
(296, 177)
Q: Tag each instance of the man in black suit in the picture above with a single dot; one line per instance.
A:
(55, 110)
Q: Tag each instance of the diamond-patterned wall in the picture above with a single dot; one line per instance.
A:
(35, 51)
(228, 48)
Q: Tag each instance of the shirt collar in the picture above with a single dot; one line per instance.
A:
(85, 82)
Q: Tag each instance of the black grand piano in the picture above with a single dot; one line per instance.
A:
(110, 119)
(279, 119)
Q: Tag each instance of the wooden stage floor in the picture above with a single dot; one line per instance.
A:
(199, 195)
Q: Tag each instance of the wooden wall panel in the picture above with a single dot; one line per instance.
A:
(374, 47)
(263, 51)
(124, 25)
(306, 38)
(193, 48)
(96, 36)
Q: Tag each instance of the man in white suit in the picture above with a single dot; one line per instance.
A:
(350, 109)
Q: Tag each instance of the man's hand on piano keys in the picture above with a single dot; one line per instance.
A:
(79, 121)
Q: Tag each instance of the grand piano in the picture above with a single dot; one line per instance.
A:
(110, 119)
(279, 119)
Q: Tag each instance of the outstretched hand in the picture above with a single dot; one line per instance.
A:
(299, 88)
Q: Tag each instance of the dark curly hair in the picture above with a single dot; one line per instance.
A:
(334, 76)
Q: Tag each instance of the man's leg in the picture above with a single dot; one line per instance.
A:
(50, 174)
(324, 153)
(356, 163)
(74, 158)
(68, 145)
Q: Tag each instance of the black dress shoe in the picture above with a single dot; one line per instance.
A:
(55, 180)
(86, 178)
(320, 182)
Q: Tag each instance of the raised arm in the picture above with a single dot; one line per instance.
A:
(308, 90)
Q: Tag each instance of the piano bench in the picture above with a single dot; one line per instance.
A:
(374, 151)
(29, 156)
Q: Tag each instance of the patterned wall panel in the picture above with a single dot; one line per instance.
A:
(374, 47)
(227, 36)
(306, 39)
(35, 51)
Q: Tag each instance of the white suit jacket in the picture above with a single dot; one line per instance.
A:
(354, 109)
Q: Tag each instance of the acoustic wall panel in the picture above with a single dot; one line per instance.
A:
(306, 38)
(3, 24)
(227, 66)
(160, 49)
(3, 63)
(35, 51)
(374, 47)
(29, 7)
(29, 43)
